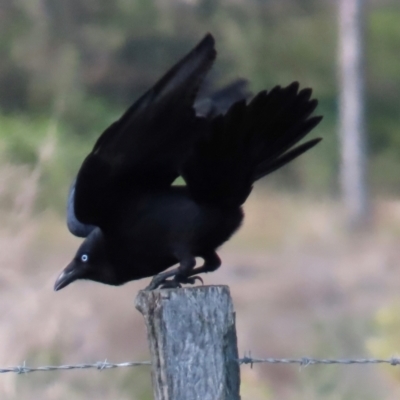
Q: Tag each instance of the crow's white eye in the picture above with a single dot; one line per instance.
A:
(84, 257)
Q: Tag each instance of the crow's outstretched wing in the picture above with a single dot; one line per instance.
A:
(206, 105)
(145, 148)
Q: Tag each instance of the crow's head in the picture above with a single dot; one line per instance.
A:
(90, 262)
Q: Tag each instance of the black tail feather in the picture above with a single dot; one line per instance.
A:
(290, 139)
(250, 141)
(267, 167)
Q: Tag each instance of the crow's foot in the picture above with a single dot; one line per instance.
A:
(161, 281)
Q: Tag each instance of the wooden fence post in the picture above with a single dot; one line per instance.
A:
(193, 346)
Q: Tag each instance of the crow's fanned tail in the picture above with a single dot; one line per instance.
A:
(248, 142)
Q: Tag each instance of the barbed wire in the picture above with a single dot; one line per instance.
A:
(100, 365)
(303, 362)
(306, 361)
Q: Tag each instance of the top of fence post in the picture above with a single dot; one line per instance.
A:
(193, 346)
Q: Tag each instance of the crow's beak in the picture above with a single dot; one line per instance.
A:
(68, 275)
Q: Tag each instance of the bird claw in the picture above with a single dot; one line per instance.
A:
(186, 280)
(159, 282)
(156, 282)
(192, 280)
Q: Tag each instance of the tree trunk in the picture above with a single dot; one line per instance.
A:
(352, 113)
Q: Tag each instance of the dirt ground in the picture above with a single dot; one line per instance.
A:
(301, 287)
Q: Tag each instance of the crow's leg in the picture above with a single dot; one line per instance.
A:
(186, 273)
(180, 275)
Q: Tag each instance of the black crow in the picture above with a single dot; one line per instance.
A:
(136, 223)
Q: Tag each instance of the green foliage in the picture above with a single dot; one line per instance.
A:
(20, 138)
(76, 66)
(44, 143)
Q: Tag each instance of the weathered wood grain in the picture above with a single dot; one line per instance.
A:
(193, 346)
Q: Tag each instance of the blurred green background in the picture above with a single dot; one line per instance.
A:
(77, 65)
(302, 286)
